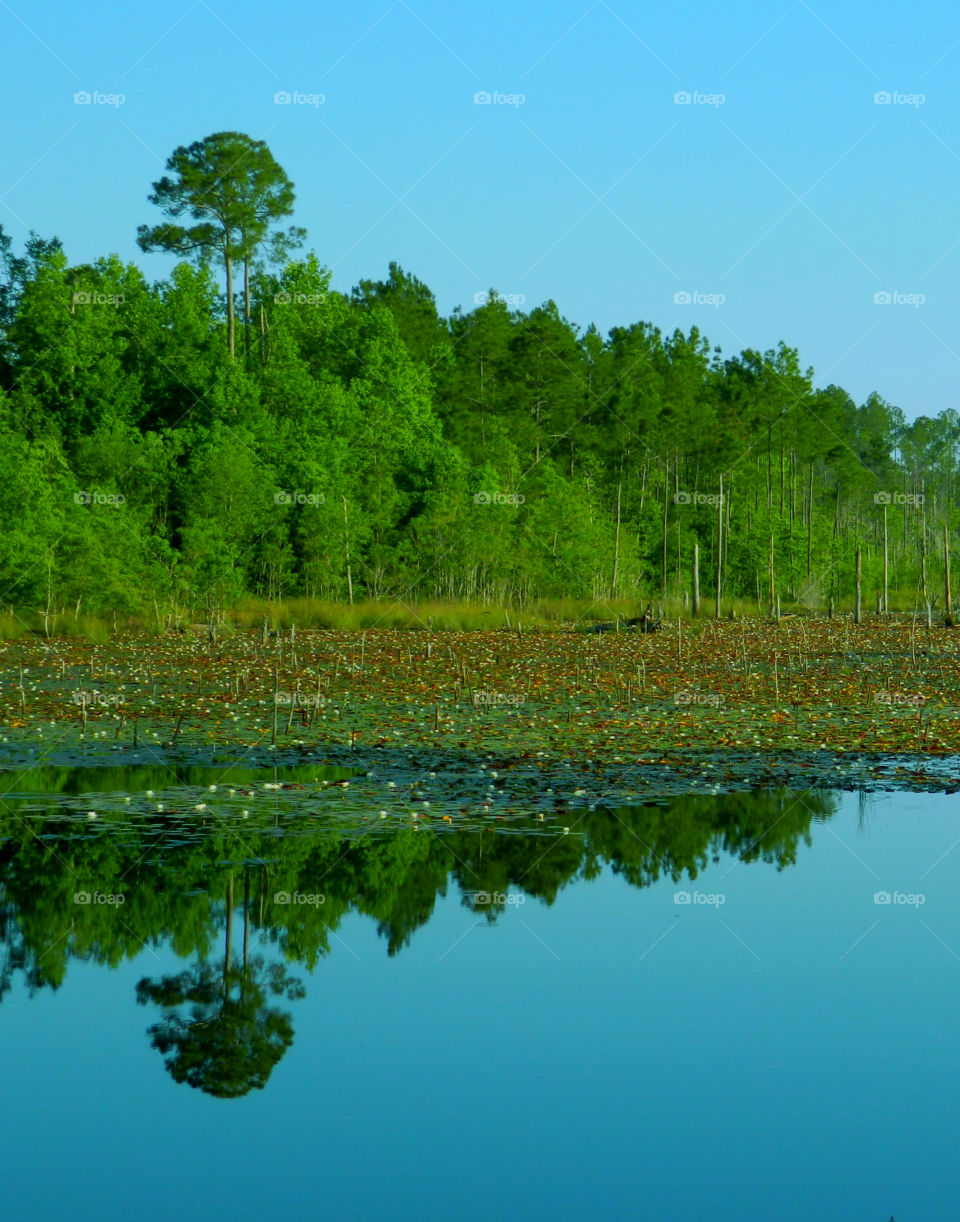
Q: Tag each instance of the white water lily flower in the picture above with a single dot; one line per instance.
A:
(91, 814)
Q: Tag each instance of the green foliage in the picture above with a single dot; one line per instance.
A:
(367, 449)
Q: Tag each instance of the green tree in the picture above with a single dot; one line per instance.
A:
(233, 189)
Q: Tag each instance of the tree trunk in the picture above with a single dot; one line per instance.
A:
(263, 334)
(246, 918)
(228, 939)
(246, 308)
(695, 606)
(616, 548)
(719, 549)
(666, 502)
(346, 552)
(230, 320)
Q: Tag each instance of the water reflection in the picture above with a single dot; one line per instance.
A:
(218, 1031)
(104, 891)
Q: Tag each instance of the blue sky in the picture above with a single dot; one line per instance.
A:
(796, 198)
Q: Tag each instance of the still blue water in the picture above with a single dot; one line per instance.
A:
(782, 1046)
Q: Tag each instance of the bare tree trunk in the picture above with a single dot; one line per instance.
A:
(228, 939)
(666, 502)
(246, 918)
(781, 471)
(230, 319)
(246, 307)
(616, 548)
(346, 552)
(719, 549)
(948, 606)
(857, 597)
(886, 605)
(695, 607)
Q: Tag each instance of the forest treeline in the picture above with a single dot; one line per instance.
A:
(165, 445)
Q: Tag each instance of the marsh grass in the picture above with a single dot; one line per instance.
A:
(542, 615)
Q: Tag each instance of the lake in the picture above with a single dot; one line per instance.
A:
(731, 1006)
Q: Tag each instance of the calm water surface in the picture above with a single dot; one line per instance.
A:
(697, 1010)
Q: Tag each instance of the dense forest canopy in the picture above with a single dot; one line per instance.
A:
(361, 445)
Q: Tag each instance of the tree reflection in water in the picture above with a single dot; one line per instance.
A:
(223, 1028)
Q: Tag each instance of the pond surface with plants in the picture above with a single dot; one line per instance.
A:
(630, 971)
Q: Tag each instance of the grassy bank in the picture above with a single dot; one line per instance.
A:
(542, 615)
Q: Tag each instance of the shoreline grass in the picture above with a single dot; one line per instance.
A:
(435, 615)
